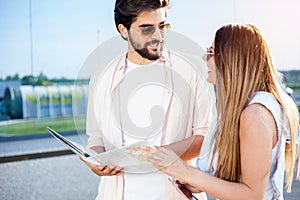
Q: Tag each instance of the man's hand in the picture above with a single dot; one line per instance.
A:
(101, 170)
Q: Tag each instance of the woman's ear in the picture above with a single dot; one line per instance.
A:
(123, 31)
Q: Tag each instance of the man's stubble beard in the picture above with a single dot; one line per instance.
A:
(144, 52)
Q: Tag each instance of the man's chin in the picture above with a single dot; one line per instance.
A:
(150, 54)
(154, 56)
(155, 53)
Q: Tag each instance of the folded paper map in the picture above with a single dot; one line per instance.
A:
(132, 158)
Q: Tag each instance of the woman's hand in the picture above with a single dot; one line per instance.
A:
(169, 163)
(189, 187)
(101, 170)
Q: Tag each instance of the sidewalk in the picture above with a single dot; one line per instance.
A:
(36, 146)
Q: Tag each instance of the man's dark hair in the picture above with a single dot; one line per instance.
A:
(126, 11)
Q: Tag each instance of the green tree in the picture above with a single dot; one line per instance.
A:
(16, 77)
(8, 78)
(28, 80)
(41, 79)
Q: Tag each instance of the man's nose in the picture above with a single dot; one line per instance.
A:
(157, 34)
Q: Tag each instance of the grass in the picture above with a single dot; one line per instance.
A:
(27, 127)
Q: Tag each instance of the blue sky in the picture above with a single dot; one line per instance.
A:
(65, 32)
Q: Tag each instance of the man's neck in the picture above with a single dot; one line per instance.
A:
(136, 58)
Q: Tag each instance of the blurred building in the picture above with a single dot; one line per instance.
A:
(37, 102)
(3, 86)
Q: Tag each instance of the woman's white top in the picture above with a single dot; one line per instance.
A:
(276, 179)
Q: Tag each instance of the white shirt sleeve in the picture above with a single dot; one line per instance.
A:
(93, 126)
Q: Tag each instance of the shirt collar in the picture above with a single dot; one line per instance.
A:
(121, 67)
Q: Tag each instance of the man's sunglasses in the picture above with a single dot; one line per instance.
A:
(148, 31)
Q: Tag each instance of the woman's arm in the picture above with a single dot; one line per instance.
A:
(188, 148)
(257, 137)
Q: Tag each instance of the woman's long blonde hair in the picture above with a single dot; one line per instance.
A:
(244, 66)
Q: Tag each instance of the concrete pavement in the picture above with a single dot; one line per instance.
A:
(54, 178)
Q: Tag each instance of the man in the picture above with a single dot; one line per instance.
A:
(181, 113)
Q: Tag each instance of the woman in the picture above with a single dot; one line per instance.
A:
(254, 138)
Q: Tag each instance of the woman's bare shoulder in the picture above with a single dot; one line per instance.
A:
(256, 118)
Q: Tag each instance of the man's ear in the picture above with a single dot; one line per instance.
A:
(123, 31)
